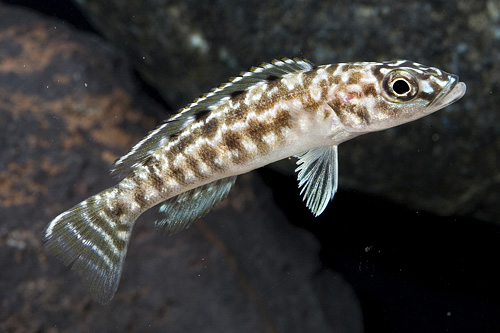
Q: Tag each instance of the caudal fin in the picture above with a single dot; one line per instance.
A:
(94, 238)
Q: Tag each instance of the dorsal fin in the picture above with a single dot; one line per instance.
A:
(159, 136)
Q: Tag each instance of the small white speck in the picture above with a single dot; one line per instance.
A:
(47, 87)
(85, 84)
(197, 41)
(448, 314)
(462, 48)
(368, 248)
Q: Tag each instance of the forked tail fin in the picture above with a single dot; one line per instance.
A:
(93, 236)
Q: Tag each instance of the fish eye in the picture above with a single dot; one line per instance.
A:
(400, 86)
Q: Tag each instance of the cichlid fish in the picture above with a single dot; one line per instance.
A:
(276, 110)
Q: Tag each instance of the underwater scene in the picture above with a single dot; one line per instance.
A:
(240, 166)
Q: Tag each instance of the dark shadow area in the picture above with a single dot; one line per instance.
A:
(64, 10)
(411, 270)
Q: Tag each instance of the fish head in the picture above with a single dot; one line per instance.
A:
(397, 92)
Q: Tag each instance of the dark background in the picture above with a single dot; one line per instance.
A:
(411, 270)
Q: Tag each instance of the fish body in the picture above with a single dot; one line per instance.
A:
(274, 111)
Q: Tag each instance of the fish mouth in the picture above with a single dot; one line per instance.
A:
(452, 92)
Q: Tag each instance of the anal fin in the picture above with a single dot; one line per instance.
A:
(318, 177)
(179, 212)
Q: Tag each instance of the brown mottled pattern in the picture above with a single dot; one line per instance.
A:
(115, 211)
(194, 165)
(354, 78)
(182, 144)
(350, 113)
(178, 174)
(139, 197)
(155, 179)
(355, 113)
(233, 142)
(345, 112)
(255, 132)
(307, 78)
(208, 154)
(369, 90)
(241, 117)
(239, 114)
(281, 121)
(209, 129)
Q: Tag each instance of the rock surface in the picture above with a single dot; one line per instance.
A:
(445, 164)
(70, 105)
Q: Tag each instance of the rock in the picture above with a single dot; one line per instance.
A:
(69, 106)
(445, 163)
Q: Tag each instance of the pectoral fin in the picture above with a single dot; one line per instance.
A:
(180, 211)
(318, 174)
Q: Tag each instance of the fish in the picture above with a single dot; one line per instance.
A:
(188, 164)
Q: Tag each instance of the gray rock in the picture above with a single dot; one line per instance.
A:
(69, 106)
(446, 163)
